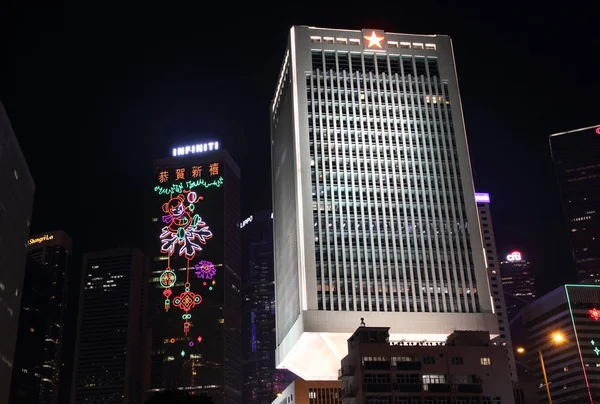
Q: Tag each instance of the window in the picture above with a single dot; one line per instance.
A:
(430, 46)
(485, 361)
(315, 39)
(396, 359)
(457, 360)
(429, 360)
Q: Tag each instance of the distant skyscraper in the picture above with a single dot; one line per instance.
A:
(576, 156)
(196, 274)
(40, 345)
(112, 360)
(489, 245)
(16, 201)
(262, 382)
(373, 205)
(517, 277)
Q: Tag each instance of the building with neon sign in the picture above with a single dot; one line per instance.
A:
(16, 202)
(195, 285)
(262, 381)
(373, 205)
(517, 280)
(576, 157)
(41, 344)
(498, 294)
(112, 359)
(573, 367)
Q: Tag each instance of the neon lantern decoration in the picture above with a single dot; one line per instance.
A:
(594, 314)
(514, 256)
(205, 270)
(184, 234)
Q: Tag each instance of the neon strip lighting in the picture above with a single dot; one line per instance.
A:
(587, 382)
(178, 188)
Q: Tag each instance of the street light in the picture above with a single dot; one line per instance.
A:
(557, 338)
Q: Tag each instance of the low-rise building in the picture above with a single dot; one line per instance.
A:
(466, 369)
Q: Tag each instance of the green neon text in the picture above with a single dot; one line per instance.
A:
(179, 187)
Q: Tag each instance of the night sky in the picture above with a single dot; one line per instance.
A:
(96, 93)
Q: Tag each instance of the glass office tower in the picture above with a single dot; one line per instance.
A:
(576, 156)
(374, 215)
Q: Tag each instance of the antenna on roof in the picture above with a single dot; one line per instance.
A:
(362, 322)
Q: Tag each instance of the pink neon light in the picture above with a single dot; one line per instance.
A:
(598, 130)
(595, 314)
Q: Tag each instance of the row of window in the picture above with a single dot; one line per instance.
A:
(356, 41)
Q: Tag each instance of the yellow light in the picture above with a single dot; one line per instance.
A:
(558, 338)
(278, 394)
(520, 350)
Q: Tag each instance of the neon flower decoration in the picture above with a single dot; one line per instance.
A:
(205, 270)
(183, 227)
(594, 314)
(186, 301)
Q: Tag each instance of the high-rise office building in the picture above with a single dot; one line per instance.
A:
(16, 202)
(571, 362)
(517, 276)
(576, 156)
(262, 381)
(40, 345)
(112, 359)
(196, 274)
(491, 253)
(373, 207)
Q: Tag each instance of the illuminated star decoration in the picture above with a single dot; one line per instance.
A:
(595, 314)
(205, 270)
(374, 40)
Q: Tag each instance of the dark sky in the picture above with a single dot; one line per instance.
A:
(96, 93)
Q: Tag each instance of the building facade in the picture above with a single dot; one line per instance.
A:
(373, 205)
(16, 202)
(517, 280)
(573, 311)
(310, 392)
(196, 311)
(466, 369)
(576, 156)
(39, 364)
(496, 283)
(262, 381)
(112, 356)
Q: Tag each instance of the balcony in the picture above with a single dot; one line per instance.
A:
(347, 392)
(345, 372)
(409, 388)
(378, 388)
(377, 366)
(469, 388)
(437, 387)
(408, 365)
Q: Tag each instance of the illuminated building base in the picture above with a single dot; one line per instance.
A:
(314, 354)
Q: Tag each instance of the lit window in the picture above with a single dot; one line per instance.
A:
(430, 46)
(485, 361)
(392, 44)
(354, 41)
(405, 45)
(328, 39)
(315, 39)
(417, 45)
(341, 40)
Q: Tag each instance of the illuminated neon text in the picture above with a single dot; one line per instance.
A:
(178, 188)
(37, 240)
(514, 256)
(195, 148)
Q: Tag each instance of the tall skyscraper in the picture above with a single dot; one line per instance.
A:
(373, 205)
(40, 345)
(262, 381)
(196, 274)
(495, 279)
(112, 359)
(576, 156)
(16, 202)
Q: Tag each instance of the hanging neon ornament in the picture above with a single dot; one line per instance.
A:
(205, 270)
(167, 280)
(183, 235)
(594, 314)
(186, 301)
